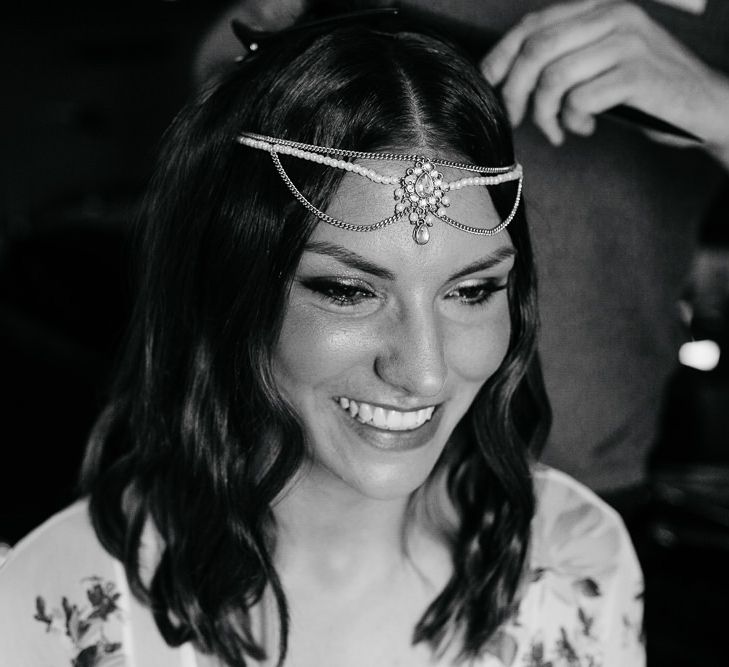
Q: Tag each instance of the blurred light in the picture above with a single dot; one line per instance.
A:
(703, 355)
(664, 535)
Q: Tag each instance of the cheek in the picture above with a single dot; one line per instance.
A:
(478, 351)
(310, 351)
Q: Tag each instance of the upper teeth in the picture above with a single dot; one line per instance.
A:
(391, 420)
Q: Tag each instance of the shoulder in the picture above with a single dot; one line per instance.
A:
(583, 597)
(58, 597)
(59, 549)
(579, 537)
(569, 512)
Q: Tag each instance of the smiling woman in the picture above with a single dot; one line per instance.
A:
(320, 448)
(387, 345)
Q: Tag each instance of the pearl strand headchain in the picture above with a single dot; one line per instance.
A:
(421, 192)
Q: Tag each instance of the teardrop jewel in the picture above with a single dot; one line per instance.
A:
(421, 234)
(424, 185)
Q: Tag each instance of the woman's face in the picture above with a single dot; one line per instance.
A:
(385, 343)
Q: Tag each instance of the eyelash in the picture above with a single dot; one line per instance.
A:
(346, 295)
(479, 294)
(339, 293)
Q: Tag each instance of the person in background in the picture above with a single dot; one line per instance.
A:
(615, 205)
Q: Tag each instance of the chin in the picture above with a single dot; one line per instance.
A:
(391, 483)
(376, 472)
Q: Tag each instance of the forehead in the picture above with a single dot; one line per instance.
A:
(359, 201)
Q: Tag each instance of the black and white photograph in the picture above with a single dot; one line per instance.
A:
(364, 333)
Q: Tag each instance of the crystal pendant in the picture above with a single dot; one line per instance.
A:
(421, 234)
(424, 185)
(420, 197)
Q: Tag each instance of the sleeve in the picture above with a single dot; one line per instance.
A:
(59, 603)
(584, 601)
(624, 638)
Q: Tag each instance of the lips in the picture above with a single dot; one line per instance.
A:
(386, 419)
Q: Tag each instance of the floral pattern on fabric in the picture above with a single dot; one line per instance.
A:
(83, 629)
(582, 602)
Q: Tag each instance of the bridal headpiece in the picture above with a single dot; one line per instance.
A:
(421, 193)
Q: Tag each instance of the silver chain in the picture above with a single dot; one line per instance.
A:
(362, 155)
(336, 222)
(493, 230)
(323, 216)
(273, 143)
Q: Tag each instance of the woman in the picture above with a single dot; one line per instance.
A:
(320, 447)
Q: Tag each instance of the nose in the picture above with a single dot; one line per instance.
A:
(413, 355)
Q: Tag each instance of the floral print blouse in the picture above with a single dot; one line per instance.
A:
(64, 602)
(583, 604)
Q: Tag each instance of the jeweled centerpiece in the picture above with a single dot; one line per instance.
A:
(421, 196)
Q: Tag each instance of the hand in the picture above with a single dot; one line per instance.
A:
(575, 60)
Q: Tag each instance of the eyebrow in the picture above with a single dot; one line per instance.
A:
(355, 261)
(488, 262)
(349, 258)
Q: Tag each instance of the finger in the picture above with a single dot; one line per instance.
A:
(498, 61)
(541, 50)
(608, 90)
(577, 123)
(565, 73)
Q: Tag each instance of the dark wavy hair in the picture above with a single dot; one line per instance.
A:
(197, 438)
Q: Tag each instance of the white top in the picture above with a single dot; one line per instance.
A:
(64, 602)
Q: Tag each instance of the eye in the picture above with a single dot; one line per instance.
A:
(477, 293)
(341, 293)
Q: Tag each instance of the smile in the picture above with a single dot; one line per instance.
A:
(388, 420)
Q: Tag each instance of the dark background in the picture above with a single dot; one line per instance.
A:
(87, 90)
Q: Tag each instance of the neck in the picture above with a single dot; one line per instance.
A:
(329, 531)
